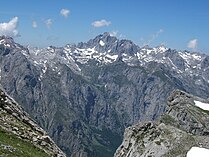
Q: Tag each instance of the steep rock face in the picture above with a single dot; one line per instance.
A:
(190, 118)
(17, 124)
(183, 126)
(85, 95)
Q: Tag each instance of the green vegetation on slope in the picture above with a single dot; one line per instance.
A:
(11, 145)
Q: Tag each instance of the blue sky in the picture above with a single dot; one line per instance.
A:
(180, 24)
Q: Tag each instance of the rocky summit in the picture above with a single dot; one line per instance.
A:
(84, 95)
(183, 126)
(20, 135)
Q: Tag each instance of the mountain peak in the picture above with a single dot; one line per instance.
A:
(106, 34)
(105, 37)
(103, 41)
(6, 40)
(9, 42)
(161, 48)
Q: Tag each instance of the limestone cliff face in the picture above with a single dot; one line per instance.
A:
(16, 124)
(183, 126)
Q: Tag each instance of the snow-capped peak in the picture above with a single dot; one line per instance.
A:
(7, 41)
(105, 49)
(161, 48)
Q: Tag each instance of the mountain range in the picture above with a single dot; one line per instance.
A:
(85, 95)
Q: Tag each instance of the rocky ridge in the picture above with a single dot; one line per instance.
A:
(13, 120)
(183, 126)
(182, 63)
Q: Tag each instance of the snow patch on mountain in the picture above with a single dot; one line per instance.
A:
(204, 106)
(113, 57)
(197, 151)
(160, 49)
(190, 58)
(101, 43)
(49, 58)
(105, 49)
(5, 43)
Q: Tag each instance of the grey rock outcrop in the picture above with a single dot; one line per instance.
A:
(183, 126)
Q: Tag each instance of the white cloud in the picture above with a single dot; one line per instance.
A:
(48, 23)
(65, 12)
(34, 24)
(192, 44)
(10, 28)
(101, 23)
(153, 37)
(156, 35)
